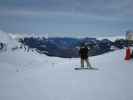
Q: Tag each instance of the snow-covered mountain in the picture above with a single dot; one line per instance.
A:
(66, 47)
(34, 76)
(8, 41)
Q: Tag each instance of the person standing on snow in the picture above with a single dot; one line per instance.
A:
(83, 52)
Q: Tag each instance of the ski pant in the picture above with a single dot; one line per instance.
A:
(87, 62)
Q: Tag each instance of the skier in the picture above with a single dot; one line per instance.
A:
(83, 52)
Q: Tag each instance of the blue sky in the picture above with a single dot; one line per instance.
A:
(67, 17)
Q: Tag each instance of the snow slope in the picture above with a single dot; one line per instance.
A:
(112, 38)
(31, 76)
(8, 39)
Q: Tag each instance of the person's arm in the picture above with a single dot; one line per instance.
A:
(88, 50)
(79, 51)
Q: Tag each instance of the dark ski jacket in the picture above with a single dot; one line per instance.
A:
(83, 52)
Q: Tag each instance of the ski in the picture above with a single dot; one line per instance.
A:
(86, 68)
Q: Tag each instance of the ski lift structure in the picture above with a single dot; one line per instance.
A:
(129, 37)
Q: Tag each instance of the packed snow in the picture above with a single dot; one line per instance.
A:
(31, 76)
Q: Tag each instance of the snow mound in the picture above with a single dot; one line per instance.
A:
(4, 37)
(8, 39)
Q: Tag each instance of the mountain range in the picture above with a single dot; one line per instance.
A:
(66, 47)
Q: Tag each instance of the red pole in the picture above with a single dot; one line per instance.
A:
(128, 54)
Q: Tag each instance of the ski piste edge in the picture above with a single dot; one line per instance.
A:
(78, 68)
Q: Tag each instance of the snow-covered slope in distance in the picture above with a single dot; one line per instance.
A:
(8, 40)
(112, 38)
(11, 39)
(31, 76)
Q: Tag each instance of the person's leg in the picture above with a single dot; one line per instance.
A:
(82, 63)
(88, 63)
